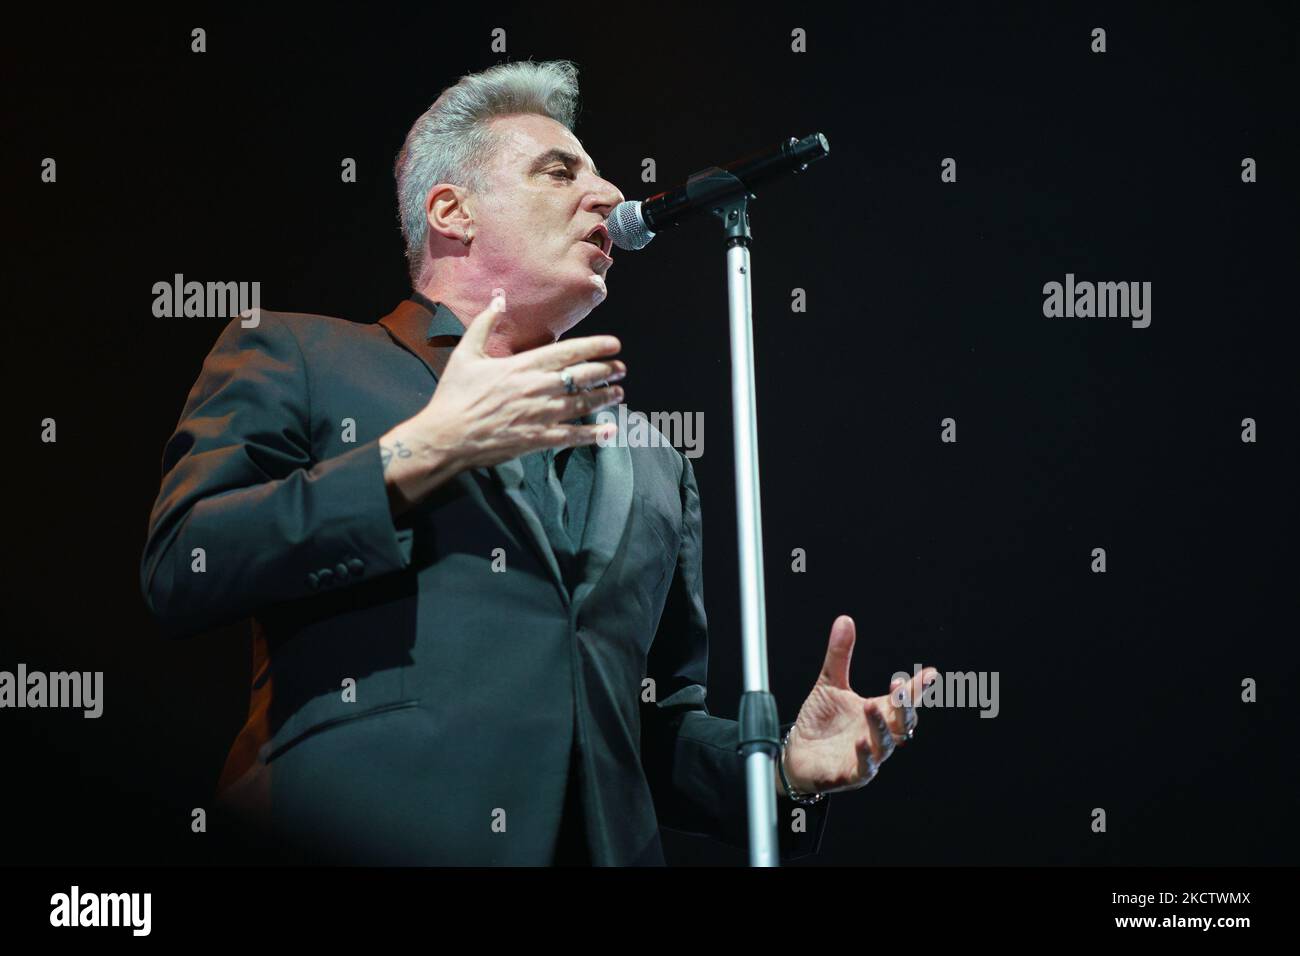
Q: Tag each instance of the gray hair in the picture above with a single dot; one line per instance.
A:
(451, 142)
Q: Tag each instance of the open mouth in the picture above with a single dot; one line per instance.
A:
(599, 237)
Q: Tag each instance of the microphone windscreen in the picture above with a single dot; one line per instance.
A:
(627, 228)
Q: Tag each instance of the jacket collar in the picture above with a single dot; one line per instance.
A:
(431, 335)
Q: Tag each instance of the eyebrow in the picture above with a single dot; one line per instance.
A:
(561, 155)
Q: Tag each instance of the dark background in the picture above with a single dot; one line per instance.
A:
(1119, 691)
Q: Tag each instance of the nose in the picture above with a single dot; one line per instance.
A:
(604, 197)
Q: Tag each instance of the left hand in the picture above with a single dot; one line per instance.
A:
(839, 739)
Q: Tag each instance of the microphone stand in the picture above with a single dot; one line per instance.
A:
(727, 197)
(759, 745)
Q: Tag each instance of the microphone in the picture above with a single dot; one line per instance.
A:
(634, 223)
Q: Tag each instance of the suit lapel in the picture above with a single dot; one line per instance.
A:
(410, 325)
(611, 503)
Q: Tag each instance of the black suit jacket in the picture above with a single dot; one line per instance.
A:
(419, 685)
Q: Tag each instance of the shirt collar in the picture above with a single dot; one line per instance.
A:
(442, 320)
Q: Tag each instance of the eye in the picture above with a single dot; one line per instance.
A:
(563, 174)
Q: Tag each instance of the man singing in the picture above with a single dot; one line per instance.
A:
(478, 615)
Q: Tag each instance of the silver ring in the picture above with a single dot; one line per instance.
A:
(567, 378)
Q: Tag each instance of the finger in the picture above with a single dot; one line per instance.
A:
(559, 355)
(839, 651)
(565, 408)
(480, 327)
(564, 436)
(909, 694)
(901, 713)
(587, 374)
(882, 742)
(867, 766)
(917, 685)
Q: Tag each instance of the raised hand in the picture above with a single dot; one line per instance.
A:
(840, 739)
(487, 410)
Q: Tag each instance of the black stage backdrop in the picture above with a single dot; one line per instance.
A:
(924, 299)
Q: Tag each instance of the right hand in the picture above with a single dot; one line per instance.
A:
(488, 410)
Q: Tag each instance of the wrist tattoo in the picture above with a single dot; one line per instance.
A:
(386, 454)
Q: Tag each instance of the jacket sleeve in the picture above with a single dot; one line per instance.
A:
(245, 516)
(691, 760)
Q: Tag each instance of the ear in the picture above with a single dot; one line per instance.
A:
(447, 212)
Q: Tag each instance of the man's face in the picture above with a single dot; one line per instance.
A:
(543, 199)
